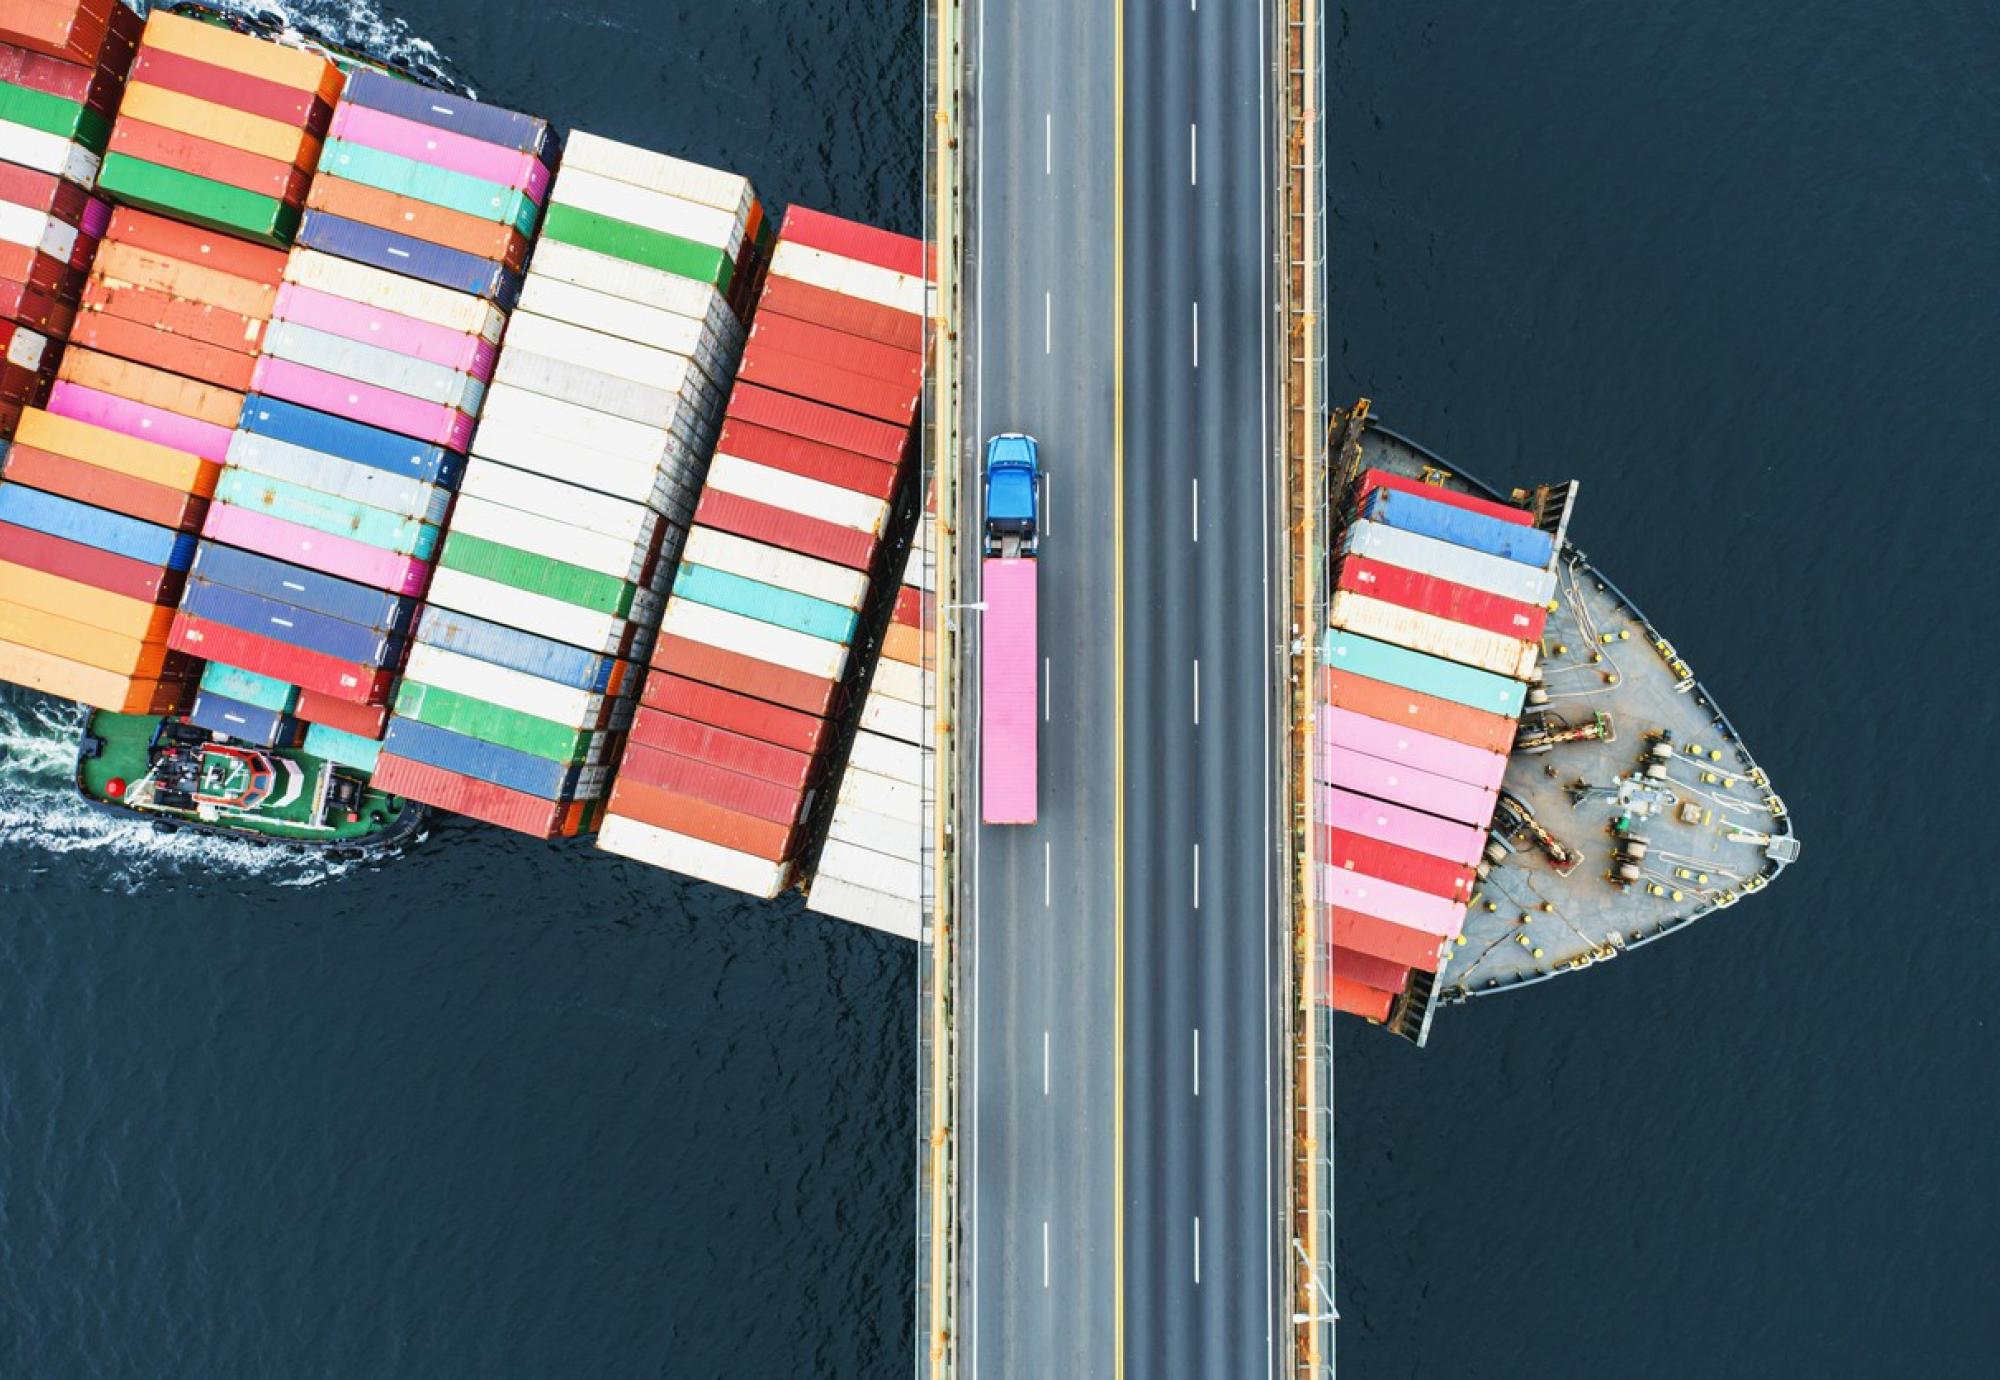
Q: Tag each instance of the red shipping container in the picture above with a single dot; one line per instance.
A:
(844, 469)
(186, 317)
(102, 488)
(736, 751)
(115, 335)
(1359, 999)
(745, 674)
(36, 310)
(685, 814)
(819, 381)
(731, 790)
(1369, 970)
(780, 527)
(209, 248)
(835, 426)
(288, 105)
(1393, 704)
(853, 240)
(42, 272)
(1395, 863)
(95, 88)
(903, 368)
(44, 192)
(909, 606)
(89, 32)
(362, 720)
(22, 387)
(481, 800)
(342, 680)
(87, 565)
(1383, 938)
(204, 158)
(1382, 479)
(1442, 599)
(854, 315)
(739, 713)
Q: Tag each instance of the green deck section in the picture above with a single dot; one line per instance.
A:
(126, 737)
(208, 203)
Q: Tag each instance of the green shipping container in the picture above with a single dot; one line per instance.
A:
(1427, 675)
(338, 745)
(198, 200)
(721, 589)
(339, 517)
(636, 244)
(493, 723)
(455, 191)
(507, 565)
(53, 115)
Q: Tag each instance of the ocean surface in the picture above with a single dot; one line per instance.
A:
(502, 1109)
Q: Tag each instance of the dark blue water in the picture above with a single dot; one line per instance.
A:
(503, 1109)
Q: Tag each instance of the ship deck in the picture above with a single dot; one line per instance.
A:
(1713, 831)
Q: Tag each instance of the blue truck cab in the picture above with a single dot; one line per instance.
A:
(1013, 495)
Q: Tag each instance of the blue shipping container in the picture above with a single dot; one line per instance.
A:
(329, 474)
(441, 110)
(291, 625)
(1428, 518)
(247, 723)
(266, 692)
(519, 651)
(411, 257)
(79, 522)
(356, 441)
(307, 589)
(338, 745)
(502, 766)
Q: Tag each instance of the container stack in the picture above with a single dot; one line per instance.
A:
(62, 67)
(597, 428)
(107, 485)
(1435, 631)
(750, 673)
(870, 869)
(348, 452)
(220, 129)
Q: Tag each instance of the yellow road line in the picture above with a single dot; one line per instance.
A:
(1118, 686)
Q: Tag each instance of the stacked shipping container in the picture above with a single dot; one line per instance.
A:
(754, 654)
(62, 67)
(1435, 631)
(343, 468)
(602, 414)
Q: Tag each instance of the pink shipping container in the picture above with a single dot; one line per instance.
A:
(209, 441)
(1376, 819)
(406, 335)
(1400, 905)
(1411, 747)
(287, 541)
(1010, 693)
(362, 402)
(441, 148)
(1400, 785)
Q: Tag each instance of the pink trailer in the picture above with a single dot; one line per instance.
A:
(406, 335)
(1009, 675)
(440, 148)
(1376, 819)
(363, 402)
(1411, 747)
(1420, 790)
(287, 541)
(1400, 905)
(113, 413)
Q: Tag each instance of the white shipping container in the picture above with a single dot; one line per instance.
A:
(386, 291)
(329, 474)
(512, 408)
(647, 207)
(899, 680)
(49, 153)
(535, 613)
(1460, 565)
(771, 565)
(28, 349)
(1434, 636)
(607, 354)
(733, 632)
(374, 365)
(881, 795)
(693, 857)
(502, 685)
(797, 494)
(849, 862)
(551, 537)
(849, 277)
(647, 287)
(684, 411)
(893, 718)
(630, 522)
(725, 191)
(635, 481)
(662, 330)
(893, 838)
(845, 900)
(887, 757)
(37, 230)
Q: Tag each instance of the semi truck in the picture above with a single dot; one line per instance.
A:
(1008, 768)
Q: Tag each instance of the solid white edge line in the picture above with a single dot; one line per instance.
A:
(1264, 155)
(970, 1227)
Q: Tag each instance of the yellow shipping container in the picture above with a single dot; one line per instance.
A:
(74, 641)
(99, 608)
(256, 57)
(219, 124)
(72, 680)
(114, 450)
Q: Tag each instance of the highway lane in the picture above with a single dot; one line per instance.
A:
(1204, 1132)
(1037, 1179)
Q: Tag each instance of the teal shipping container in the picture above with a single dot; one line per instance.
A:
(266, 692)
(337, 517)
(1426, 675)
(455, 191)
(766, 603)
(338, 745)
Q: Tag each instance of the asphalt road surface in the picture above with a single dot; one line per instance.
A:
(1200, 1288)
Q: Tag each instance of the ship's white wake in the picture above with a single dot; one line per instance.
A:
(357, 24)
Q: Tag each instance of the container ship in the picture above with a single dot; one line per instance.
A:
(373, 451)
(1517, 775)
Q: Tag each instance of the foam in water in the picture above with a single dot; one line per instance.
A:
(356, 24)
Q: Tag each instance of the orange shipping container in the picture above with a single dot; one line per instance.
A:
(178, 240)
(115, 335)
(114, 450)
(92, 685)
(74, 641)
(404, 215)
(100, 608)
(131, 265)
(176, 314)
(239, 53)
(1393, 704)
(220, 124)
(141, 383)
(683, 814)
(102, 488)
(901, 642)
